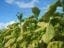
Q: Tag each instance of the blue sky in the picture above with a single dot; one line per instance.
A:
(9, 8)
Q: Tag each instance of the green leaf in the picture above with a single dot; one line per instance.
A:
(50, 33)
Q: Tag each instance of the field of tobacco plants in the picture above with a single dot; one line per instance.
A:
(35, 32)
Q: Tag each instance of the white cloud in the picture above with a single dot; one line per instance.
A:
(4, 25)
(9, 1)
(22, 4)
(1, 25)
(9, 23)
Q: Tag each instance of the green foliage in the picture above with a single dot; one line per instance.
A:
(1, 39)
(50, 12)
(36, 12)
(19, 17)
(56, 44)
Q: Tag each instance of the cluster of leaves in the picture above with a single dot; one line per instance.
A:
(35, 33)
